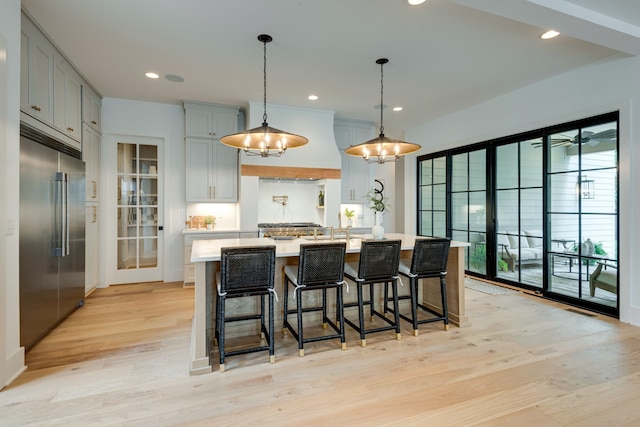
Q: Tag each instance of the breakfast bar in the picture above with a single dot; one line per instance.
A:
(206, 256)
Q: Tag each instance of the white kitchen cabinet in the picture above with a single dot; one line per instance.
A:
(92, 248)
(91, 108)
(67, 99)
(210, 121)
(91, 156)
(189, 267)
(211, 172)
(356, 175)
(37, 64)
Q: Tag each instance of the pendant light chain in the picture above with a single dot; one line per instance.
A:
(381, 96)
(264, 73)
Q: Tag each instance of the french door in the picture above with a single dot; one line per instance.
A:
(137, 210)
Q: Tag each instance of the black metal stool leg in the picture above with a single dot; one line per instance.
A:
(445, 310)
(413, 283)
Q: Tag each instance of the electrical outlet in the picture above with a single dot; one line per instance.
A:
(11, 227)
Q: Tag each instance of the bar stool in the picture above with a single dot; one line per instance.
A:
(246, 272)
(429, 260)
(320, 267)
(379, 260)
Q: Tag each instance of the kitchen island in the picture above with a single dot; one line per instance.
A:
(206, 256)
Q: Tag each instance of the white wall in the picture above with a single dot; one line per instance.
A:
(11, 354)
(607, 86)
(122, 116)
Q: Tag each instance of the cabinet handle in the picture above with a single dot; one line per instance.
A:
(94, 189)
(209, 191)
(212, 133)
(94, 214)
(94, 122)
(214, 191)
(35, 107)
(70, 129)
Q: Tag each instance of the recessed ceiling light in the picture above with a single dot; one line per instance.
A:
(312, 97)
(549, 34)
(397, 108)
(174, 78)
(416, 2)
(151, 75)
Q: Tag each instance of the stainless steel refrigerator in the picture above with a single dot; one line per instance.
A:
(52, 233)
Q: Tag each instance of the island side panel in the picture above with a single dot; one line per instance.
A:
(455, 289)
(200, 363)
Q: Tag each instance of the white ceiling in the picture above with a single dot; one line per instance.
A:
(444, 55)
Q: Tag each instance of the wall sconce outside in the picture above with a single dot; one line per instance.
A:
(587, 188)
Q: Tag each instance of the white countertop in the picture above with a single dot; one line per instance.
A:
(215, 231)
(209, 250)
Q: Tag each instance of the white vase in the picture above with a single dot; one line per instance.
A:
(209, 226)
(377, 230)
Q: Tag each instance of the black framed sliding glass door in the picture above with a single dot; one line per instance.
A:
(518, 218)
(539, 209)
(582, 215)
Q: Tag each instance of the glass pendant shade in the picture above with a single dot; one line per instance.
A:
(264, 140)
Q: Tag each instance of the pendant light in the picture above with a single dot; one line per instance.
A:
(264, 140)
(382, 149)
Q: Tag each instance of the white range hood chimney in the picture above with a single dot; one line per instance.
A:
(319, 160)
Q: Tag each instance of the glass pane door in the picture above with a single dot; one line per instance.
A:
(137, 205)
(469, 206)
(582, 216)
(519, 236)
(432, 188)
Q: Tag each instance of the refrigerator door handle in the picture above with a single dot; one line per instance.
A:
(65, 224)
(58, 230)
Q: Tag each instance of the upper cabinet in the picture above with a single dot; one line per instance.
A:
(211, 167)
(37, 64)
(209, 121)
(356, 177)
(211, 172)
(50, 88)
(91, 108)
(67, 99)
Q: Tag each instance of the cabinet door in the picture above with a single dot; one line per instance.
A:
(198, 177)
(67, 98)
(92, 254)
(37, 98)
(356, 179)
(211, 172)
(91, 108)
(199, 123)
(356, 173)
(210, 121)
(225, 174)
(91, 156)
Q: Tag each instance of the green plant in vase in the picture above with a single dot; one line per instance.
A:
(210, 221)
(349, 214)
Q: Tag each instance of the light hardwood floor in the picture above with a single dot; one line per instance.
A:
(123, 359)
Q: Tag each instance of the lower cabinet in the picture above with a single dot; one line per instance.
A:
(189, 267)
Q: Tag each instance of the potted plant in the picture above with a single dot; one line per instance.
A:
(377, 203)
(210, 221)
(349, 213)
